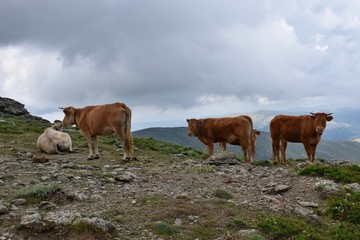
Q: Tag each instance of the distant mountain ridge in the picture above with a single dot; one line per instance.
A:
(335, 143)
(347, 150)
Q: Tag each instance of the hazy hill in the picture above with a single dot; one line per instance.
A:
(348, 150)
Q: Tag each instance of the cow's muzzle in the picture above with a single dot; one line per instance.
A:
(320, 131)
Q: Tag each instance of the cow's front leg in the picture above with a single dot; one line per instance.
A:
(312, 152)
(96, 146)
(210, 149)
(307, 147)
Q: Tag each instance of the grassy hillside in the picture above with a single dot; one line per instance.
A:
(325, 150)
(173, 195)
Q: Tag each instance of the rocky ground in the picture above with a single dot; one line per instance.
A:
(123, 200)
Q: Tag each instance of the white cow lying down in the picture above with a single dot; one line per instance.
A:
(53, 140)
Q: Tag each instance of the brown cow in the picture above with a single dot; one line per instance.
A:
(227, 130)
(306, 129)
(107, 119)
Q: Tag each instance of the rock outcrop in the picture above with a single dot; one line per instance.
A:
(15, 108)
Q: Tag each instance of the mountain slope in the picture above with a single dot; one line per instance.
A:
(326, 149)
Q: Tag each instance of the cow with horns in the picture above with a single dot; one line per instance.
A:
(306, 129)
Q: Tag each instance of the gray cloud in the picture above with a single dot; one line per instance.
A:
(180, 57)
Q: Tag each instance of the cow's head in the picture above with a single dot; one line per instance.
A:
(58, 126)
(69, 118)
(194, 126)
(253, 139)
(320, 120)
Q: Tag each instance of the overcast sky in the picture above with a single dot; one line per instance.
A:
(178, 59)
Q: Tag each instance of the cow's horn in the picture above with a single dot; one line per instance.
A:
(61, 107)
(328, 114)
(312, 113)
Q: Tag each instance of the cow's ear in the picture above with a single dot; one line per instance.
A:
(187, 120)
(312, 117)
(257, 132)
(329, 118)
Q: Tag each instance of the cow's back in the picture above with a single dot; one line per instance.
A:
(290, 128)
(103, 119)
(45, 141)
(227, 129)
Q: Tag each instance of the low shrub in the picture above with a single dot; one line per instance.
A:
(162, 228)
(222, 194)
(343, 174)
(289, 228)
(344, 231)
(345, 207)
(38, 192)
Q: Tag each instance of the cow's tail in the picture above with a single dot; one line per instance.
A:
(128, 136)
(251, 154)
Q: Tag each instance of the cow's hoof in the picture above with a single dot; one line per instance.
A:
(90, 158)
(96, 157)
(126, 159)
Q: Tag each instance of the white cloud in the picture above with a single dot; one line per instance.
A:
(213, 98)
(322, 48)
(25, 70)
(176, 60)
(343, 19)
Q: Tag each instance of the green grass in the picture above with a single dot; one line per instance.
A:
(166, 148)
(202, 218)
(342, 174)
(284, 227)
(162, 228)
(83, 227)
(344, 231)
(38, 192)
(344, 207)
(15, 125)
(220, 193)
(287, 227)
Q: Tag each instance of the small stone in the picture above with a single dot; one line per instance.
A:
(281, 188)
(178, 222)
(18, 201)
(3, 210)
(309, 204)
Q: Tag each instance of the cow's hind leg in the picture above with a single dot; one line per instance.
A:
(56, 148)
(276, 151)
(90, 146)
(222, 146)
(96, 146)
(245, 154)
(247, 150)
(283, 151)
(126, 142)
